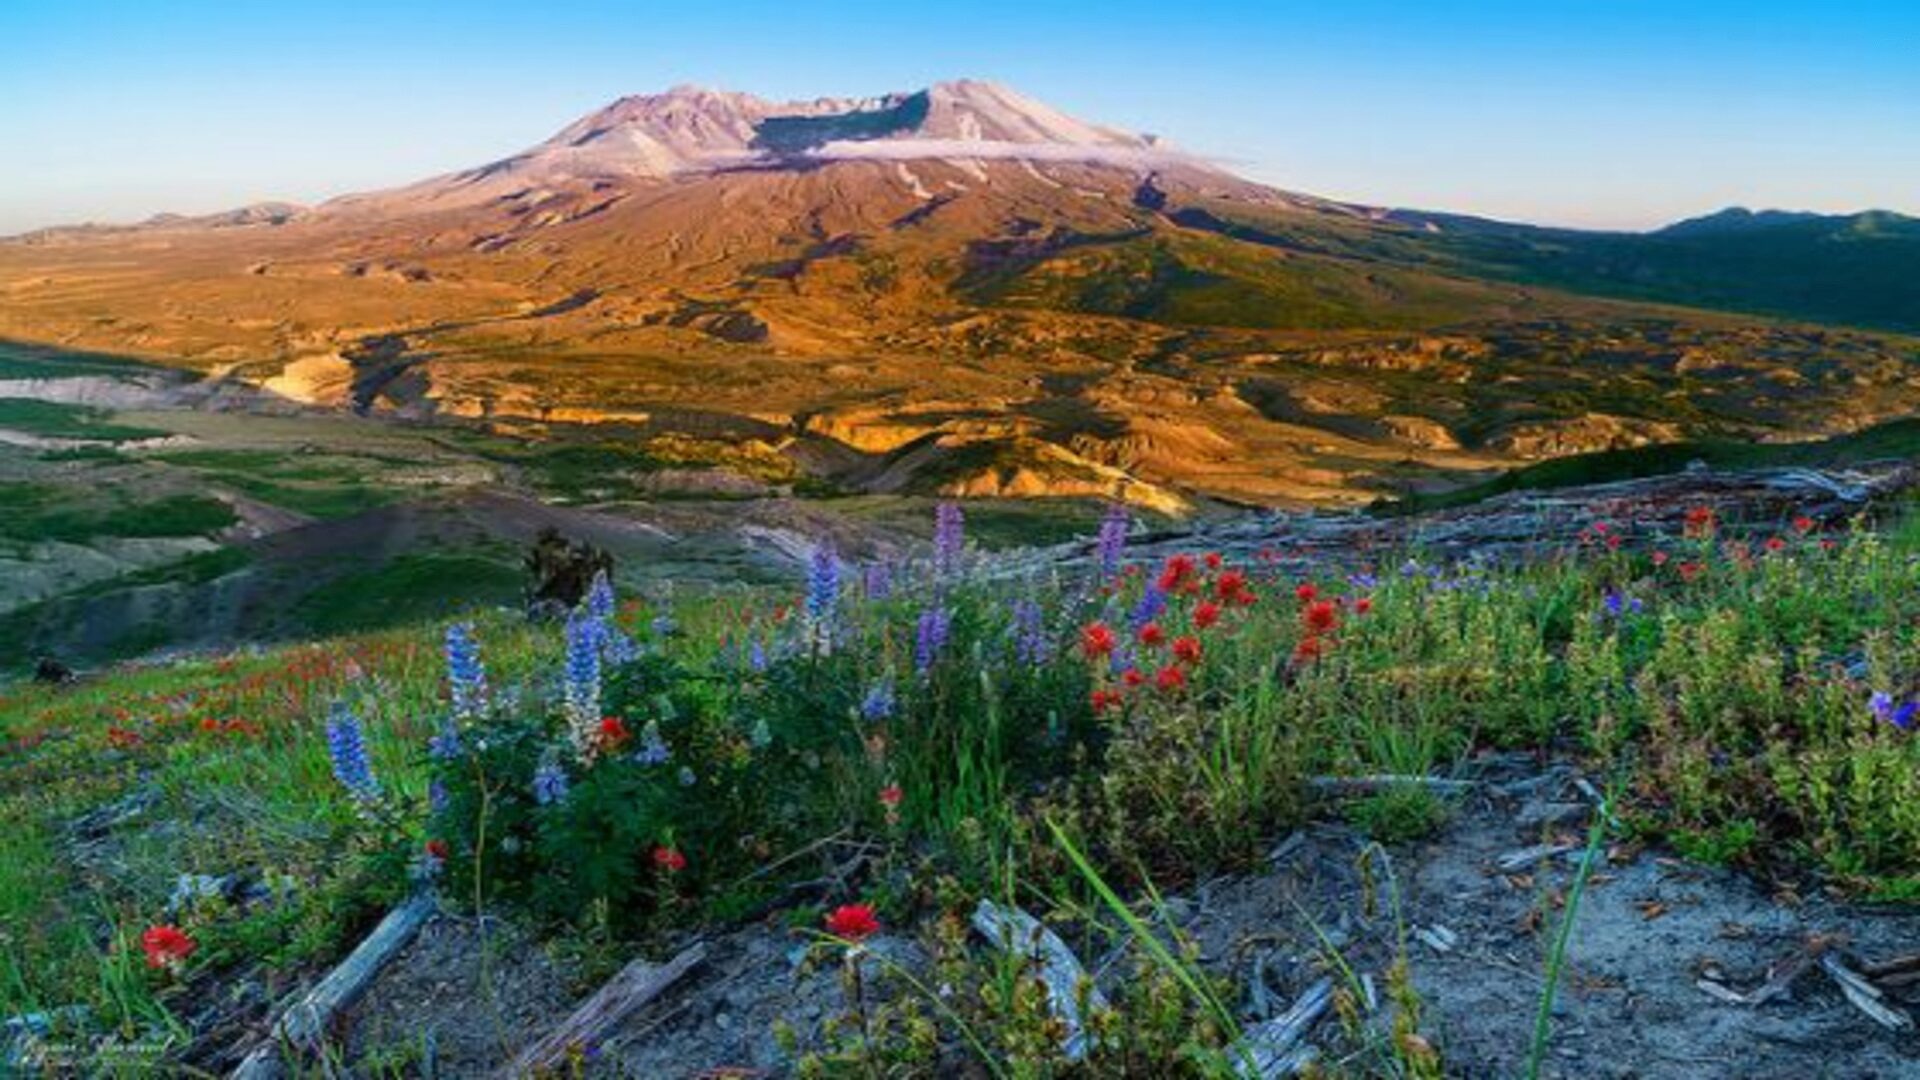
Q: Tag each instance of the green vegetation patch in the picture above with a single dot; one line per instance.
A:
(42, 512)
(51, 420)
(407, 589)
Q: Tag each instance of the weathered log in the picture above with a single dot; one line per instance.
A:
(637, 984)
(1373, 785)
(1017, 931)
(303, 1025)
(1863, 995)
(1274, 1048)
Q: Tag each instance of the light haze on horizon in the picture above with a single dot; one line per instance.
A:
(1628, 114)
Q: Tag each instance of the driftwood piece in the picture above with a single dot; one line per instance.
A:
(1060, 970)
(1275, 1048)
(1780, 977)
(304, 1023)
(1529, 856)
(637, 984)
(1863, 995)
(1373, 785)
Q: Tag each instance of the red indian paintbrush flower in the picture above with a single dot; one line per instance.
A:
(1170, 678)
(854, 922)
(1699, 522)
(891, 795)
(1205, 614)
(167, 947)
(669, 859)
(1320, 617)
(1152, 636)
(613, 732)
(1133, 676)
(1178, 571)
(1096, 640)
(1363, 605)
(1230, 585)
(437, 849)
(1187, 649)
(1310, 648)
(1306, 592)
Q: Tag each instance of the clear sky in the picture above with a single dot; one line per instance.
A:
(1603, 113)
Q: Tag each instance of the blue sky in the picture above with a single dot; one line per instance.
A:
(1620, 114)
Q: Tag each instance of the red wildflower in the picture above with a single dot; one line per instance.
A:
(1152, 636)
(854, 922)
(1613, 541)
(1175, 574)
(1699, 521)
(1803, 524)
(1133, 676)
(1230, 585)
(1170, 678)
(891, 795)
(1187, 649)
(1102, 700)
(1246, 597)
(1363, 605)
(613, 731)
(1205, 614)
(122, 738)
(1306, 592)
(1096, 640)
(1774, 543)
(1659, 558)
(669, 859)
(1310, 648)
(437, 849)
(167, 946)
(1320, 617)
(1690, 570)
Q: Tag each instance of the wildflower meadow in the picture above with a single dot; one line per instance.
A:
(1074, 736)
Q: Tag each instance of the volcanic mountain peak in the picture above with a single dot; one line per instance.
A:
(693, 129)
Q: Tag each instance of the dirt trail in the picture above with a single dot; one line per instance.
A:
(1629, 1007)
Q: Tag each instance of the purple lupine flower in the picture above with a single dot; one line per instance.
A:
(347, 747)
(1112, 543)
(600, 602)
(653, 749)
(1615, 605)
(949, 536)
(1901, 714)
(444, 745)
(466, 675)
(823, 585)
(549, 783)
(877, 581)
(663, 625)
(436, 797)
(1363, 581)
(616, 646)
(582, 684)
(930, 637)
(1029, 632)
(757, 656)
(879, 703)
(1153, 600)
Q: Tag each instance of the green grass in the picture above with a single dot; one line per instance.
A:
(42, 512)
(56, 421)
(410, 588)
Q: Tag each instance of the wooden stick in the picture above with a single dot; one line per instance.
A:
(1863, 995)
(304, 1024)
(637, 984)
(1373, 785)
(1272, 1049)
(1017, 931)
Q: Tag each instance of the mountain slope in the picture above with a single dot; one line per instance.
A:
(954, 289)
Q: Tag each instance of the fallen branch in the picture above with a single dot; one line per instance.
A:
(1780, 977)
(1373, 785)
(1525, 857)
(303, 1025)
(637, 984)
(1017, 931)
(1863, 995)
(1274, 1049)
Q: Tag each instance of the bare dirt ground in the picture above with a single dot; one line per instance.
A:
(1475, 936)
